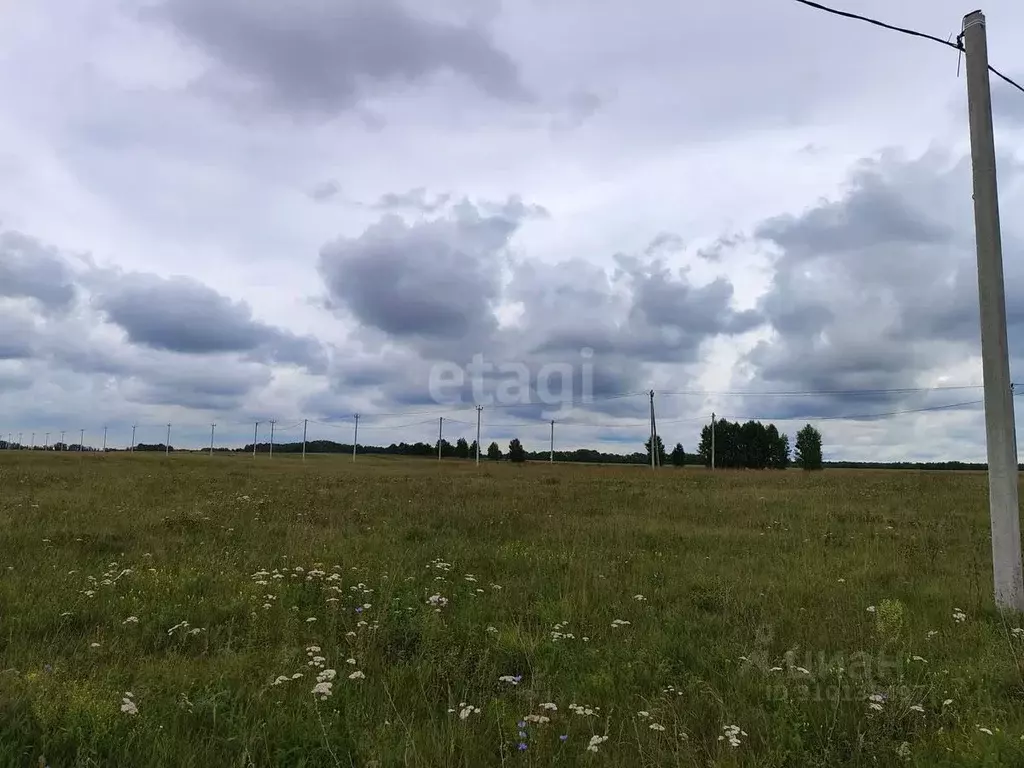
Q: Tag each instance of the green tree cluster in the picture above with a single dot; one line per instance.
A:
(745, 446)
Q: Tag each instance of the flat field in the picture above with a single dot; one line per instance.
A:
(178, 612)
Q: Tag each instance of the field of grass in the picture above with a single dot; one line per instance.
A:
(178, 612)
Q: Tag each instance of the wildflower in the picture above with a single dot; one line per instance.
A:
(311, 619)
(549, 705)
(512, 679)
(127, 705)
(619, 623)
(643, 713)
(918, 658)
(984, 730)
(595, 742)
(732, 733)
(94, 645)
(917, 708)
(281, 679)
(326, 675)
(131, 620)
(492, 629)
(639, 598)
(656, 727)
(357, 675)
(322, 690)
(350, 661)
(563, 737)
(1017, 632)
(437, 601)
(521, 746)
(959, 616)
(541, 719)
(876, 701)
(871, 609)
(468, 710)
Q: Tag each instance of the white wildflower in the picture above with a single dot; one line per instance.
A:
(595, 742)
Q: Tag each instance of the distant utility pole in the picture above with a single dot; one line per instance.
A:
(479, 408)
(32, 443)
(655, 457)
(355, 438)
(305, 424)
(551, 458)
(1000, 430)
(255, 432)
(46, 442)
(133, 438)
(81, 440)
(104, 439)
(712, 439)
(63, 446)
(440, 422)
(212, 428)
(272, 423)
(20, 446)
(167, 445)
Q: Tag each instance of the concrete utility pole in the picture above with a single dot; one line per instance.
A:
(255, 432)
(167, 445)
(440, 425)
(46, 442)
(63, 446)
(81, 440)
(305, 425)
(104, 439)
(32, 442)
(133, 438)
(1000, 430)
(712, 439)
(272, 422)
(478, 409)
(552, 459)
(212, 427)
(355, 438)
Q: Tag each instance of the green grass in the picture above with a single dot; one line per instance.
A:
(741, 572)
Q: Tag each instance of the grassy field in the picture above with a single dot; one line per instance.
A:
(179, 612)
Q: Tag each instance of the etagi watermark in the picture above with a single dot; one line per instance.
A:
(516, 383)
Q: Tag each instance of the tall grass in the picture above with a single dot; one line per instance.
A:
(159, 612)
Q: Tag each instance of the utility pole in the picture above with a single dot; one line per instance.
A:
(133, 438)
(81, 440)
(654, 442)
(272, 422)
(32, 443)
(255, 432)
(305, 424)
(355, 438)
(479, 408)
(63, 446)
(167, 445)
(440, 421)
(46, 442)
(1000, 431)
(104, 439)
(712, 439)
(552, 457)
(212, 427)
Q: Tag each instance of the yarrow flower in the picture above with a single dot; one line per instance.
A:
(127, 705)
(732, 733)
(595, 742)
(511, 679)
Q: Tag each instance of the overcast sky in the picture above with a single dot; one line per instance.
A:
(238, 210)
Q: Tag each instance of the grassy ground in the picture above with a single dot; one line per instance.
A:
(777, 604)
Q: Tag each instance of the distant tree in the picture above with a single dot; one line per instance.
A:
(462, 448)
(661, 450)
(808, 448)
(678, 456)
(494, 452)
(778, 448)
(515, 450)
(473, 449)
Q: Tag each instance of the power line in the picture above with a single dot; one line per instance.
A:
(877, 23)
(819, 393)
(957, 46)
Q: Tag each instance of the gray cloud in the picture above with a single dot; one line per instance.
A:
(878, 288)
(28, 269)
(183, 315)
(325, 190)
(317, 57)
(414, 199)
(436, 279)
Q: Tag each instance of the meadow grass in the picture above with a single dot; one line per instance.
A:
(159, 611)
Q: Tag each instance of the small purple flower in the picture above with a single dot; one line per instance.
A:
(521, 723)
(359, 609)
(521, 746)
(522, 734)
(563, 737)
